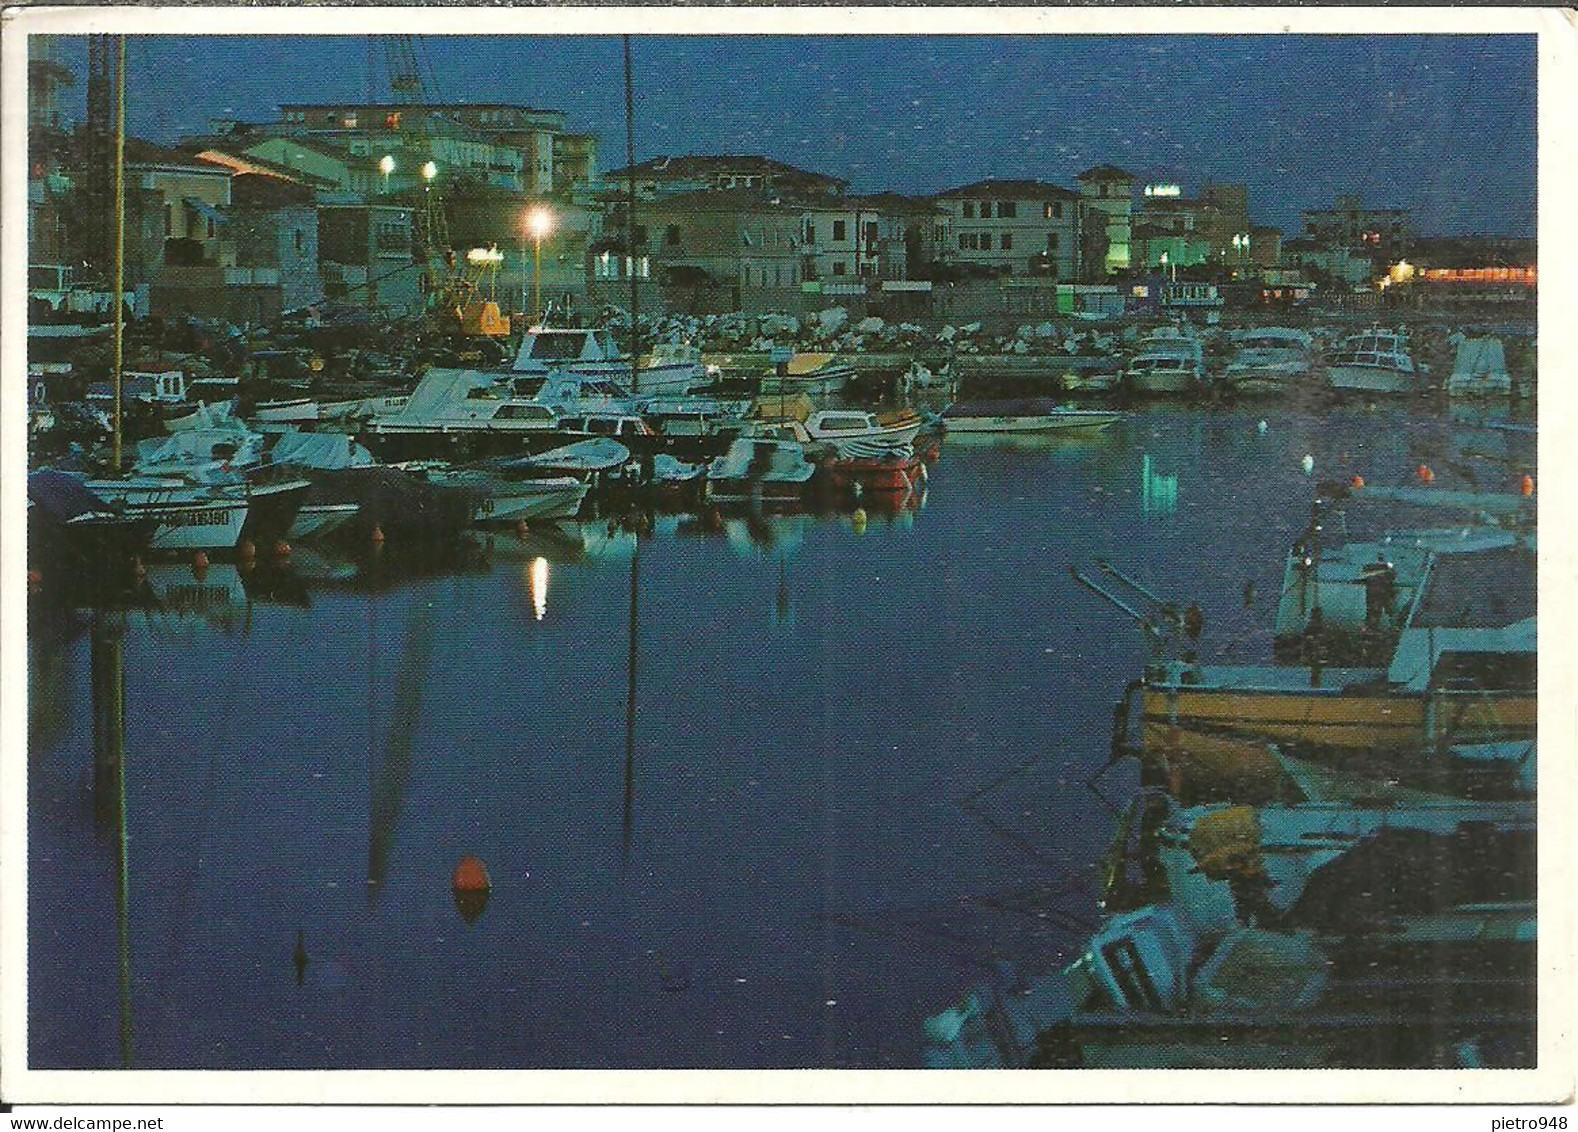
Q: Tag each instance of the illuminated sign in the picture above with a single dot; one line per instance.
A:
(1163, 191)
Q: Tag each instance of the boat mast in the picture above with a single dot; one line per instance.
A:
(120, 233)
(630, 215)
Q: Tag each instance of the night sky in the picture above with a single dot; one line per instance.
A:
(1444, 125)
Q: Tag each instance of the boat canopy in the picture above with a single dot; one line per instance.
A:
(320, 450)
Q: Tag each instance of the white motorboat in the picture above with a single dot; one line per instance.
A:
(1270, 359)
(451, 408)
(840, 426)
(1376, 361)
(294, 411)
(758, 469)
(585, 458)
(512, 498)
(1022, 417)
(1168, 361)
(809, 373)
(672, 370)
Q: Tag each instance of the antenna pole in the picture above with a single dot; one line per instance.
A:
(120, 234)
(630, 168)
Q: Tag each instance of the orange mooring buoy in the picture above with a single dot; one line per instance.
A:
(1528, 487)
(1425, 474)
(1358, 482)
(378, 533)
(471, 875)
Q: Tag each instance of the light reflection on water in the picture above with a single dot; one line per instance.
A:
(853, 783)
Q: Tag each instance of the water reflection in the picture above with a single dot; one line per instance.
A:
(1158, 493)
(537, 581)
(784, 795)
(108, 674)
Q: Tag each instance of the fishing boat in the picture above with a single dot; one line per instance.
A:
(184, 516)
(1463, 670)
(894, 471)
(1480, 370)
(1270, 359)
(1285, 937)
(1370, 585)
(1023, 416)
(760, 469)
(1377, 361)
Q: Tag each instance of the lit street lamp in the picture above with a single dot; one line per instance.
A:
(386, 166)
(540, 222)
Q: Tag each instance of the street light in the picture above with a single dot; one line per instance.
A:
(540, 222)
(429, 171)
(386, 166)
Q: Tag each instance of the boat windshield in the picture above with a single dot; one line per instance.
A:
(557, 347)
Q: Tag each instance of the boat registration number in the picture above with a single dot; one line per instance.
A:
(212, 517)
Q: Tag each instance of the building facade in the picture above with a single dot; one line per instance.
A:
(1348, 224)
(1014, 227)
(1107, 200)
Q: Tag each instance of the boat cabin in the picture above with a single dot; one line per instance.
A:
(544, 348)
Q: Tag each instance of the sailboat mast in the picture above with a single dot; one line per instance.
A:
(120, 233)
(630, 213)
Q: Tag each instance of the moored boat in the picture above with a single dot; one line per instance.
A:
(1377, 361)
(1023, 416)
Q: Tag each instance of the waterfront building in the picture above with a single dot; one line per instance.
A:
(674, 176)
(1019, 227)
(707, 251)
(366, 257)
(245, 262)
(1107, 203)
(1381, 231)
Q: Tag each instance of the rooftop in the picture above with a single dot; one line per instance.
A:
(1020, 190)
(711, 164)
(1106, 173)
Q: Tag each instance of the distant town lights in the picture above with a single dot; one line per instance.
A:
(484, 255)
(1163, 190)
(386, 165)
(429, 171)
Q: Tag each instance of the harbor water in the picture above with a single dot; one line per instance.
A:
(857, 778)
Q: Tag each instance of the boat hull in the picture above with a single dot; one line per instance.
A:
(1369, 379)
(214, 525)
(1068, 421)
